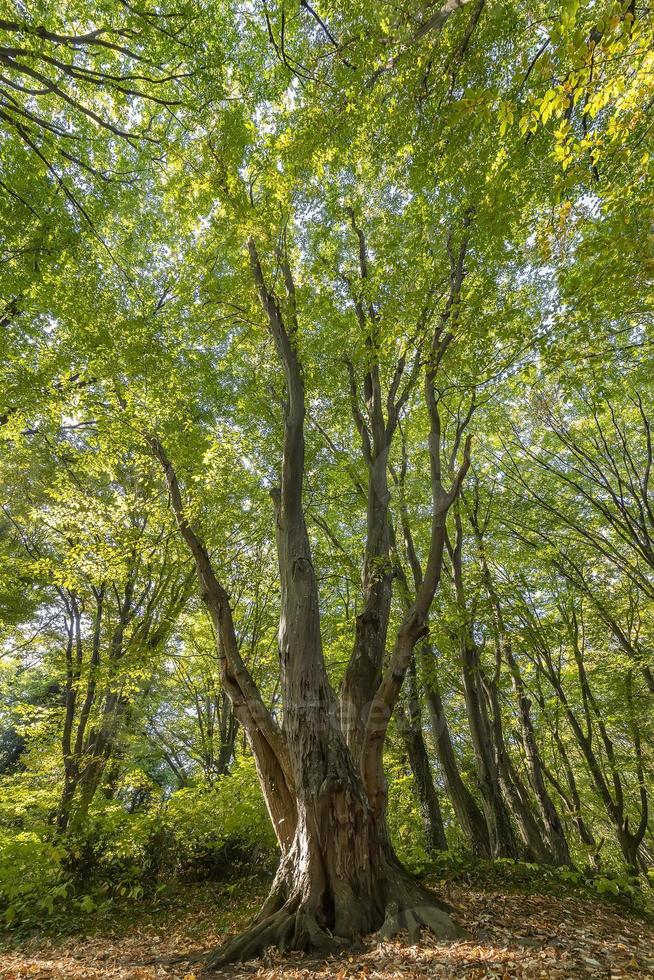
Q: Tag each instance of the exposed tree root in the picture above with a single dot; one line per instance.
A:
(295, 926)
(286, 929)
(411, 908)
(412, 920)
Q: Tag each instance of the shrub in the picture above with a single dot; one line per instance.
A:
(218, 828)
(117, 855)
(405, 823)
(32, 878)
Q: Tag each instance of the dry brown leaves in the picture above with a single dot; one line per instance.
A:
(513, 935)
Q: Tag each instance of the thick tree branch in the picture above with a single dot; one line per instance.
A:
(259, 724)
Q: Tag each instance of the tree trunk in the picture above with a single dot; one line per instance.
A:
(484, 741)
(502, 842)
(629, 843)
(514, 791)
(338, 877)
(364, 669)
(555, 834)
(339, 880)
(468, 813)
(465, 806)
(410, 727)
(228, 731)
(556, 848)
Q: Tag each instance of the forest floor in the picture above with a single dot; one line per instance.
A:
(513, 933)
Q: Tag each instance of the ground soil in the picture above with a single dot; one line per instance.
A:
(511, 934)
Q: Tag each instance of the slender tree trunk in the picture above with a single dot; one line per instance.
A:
(572, 804)
(550, 819)
(500, 832)
(514, 791)
(573, 800)
(502, 842)
(613, 803)
(463, 802)
(465, 807)
(228, 730)
(556, 846)
(376, 429)
(409, 723)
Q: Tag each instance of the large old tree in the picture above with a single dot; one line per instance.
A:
(291, 261)
(321, 766)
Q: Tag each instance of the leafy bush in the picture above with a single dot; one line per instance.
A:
(405, 823)
(32, 879)
(218, 827)
(199, 832)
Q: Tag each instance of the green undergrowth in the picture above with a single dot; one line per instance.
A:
(121, 860)
(219, 906)
(222, 906)
(503, 874)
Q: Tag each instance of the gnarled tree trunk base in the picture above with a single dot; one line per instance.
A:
(306, 919)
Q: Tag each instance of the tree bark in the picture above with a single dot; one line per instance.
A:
(338, 878)
(465, 806)
(500, 831)
(409, 723)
